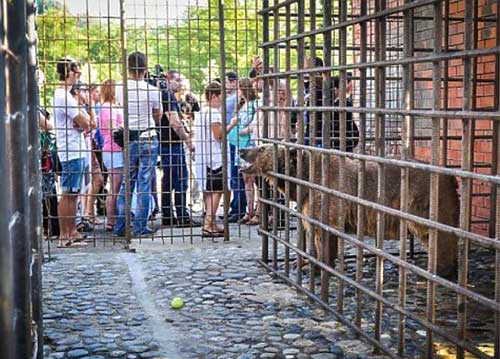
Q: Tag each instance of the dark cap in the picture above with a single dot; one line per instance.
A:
(232, 76)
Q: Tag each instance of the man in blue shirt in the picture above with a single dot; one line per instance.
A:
(237, 184)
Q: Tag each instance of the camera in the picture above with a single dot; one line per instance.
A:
(157, 78)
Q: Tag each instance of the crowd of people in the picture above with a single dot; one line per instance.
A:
(169, 126)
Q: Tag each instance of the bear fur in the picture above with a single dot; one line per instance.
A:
(260, 161)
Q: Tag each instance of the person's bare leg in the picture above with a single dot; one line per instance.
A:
(116, 182)
(63, 218)
(208, 222)
(73, 233)
(96, 183)
(216, 197)
(249, 191)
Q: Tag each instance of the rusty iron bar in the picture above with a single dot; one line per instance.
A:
(380, 56)
(35, 182)
(495, 133)
(466, 164)
(394, 111)
(396, 162)
(301, 240)
(312, 134)
(434, 180)
(496, 191)
(407, 104)
(342, 96)
(465, 54)
(222, 74)
(480, 299)
(423, 322)
(288, 131)
(360, 231)
(276, 65)
(265, 120)
(16, 234)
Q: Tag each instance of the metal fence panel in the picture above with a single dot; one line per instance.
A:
(419, 79)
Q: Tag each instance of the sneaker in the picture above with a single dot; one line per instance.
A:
(187, 222)
(145, 233)
(84, 226)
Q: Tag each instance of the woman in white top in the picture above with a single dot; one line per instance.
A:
(208, 157)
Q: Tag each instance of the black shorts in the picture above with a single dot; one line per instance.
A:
(214, 180)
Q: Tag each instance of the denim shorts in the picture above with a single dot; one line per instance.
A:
(72, 175)
(112, 159)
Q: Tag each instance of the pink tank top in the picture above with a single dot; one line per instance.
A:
(110, 118)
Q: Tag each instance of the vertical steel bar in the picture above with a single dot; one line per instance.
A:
(126, 155)
(15, 284)
(434, 181)
(343, 146)
(225, 196)
(407, 104)
(313, 119)
(274, 116)
(446, 44)
(465, 192)
(301, 244)
(265, 119)
(380, 32)
(326, 141)
(35, 192)
(496, 153)
(6, 260)
(363, 34)
(288, 67)
(495, 133)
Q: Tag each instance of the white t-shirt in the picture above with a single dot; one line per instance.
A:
(142, 99)
(70, 142)
(209, 150)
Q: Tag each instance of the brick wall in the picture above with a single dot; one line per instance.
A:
(484, 91)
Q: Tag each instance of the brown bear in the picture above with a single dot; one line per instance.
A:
(260, 161)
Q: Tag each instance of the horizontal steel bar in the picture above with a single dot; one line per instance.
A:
(468, 115)
(377, 297)
(358, 20)
(491, 304)
(277, 6)
(392, 161)
(385, 63)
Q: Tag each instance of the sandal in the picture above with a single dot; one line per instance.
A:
(254, 221)
(245, 219)
(72, 243)
(209, 233)
(109, 227)
(93, 220)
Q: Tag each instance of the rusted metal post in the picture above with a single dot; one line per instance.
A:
(407, 104)
(35, 192)
(380, 44)
(15, 240)
(265, 120)
(222, 49)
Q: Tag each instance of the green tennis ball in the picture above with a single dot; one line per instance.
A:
(177, 303)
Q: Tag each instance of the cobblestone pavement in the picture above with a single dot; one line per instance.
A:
(108, 303)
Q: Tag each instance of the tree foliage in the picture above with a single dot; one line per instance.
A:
(190, 44)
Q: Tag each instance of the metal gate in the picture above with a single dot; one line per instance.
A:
(188, 45)
(392, 135)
